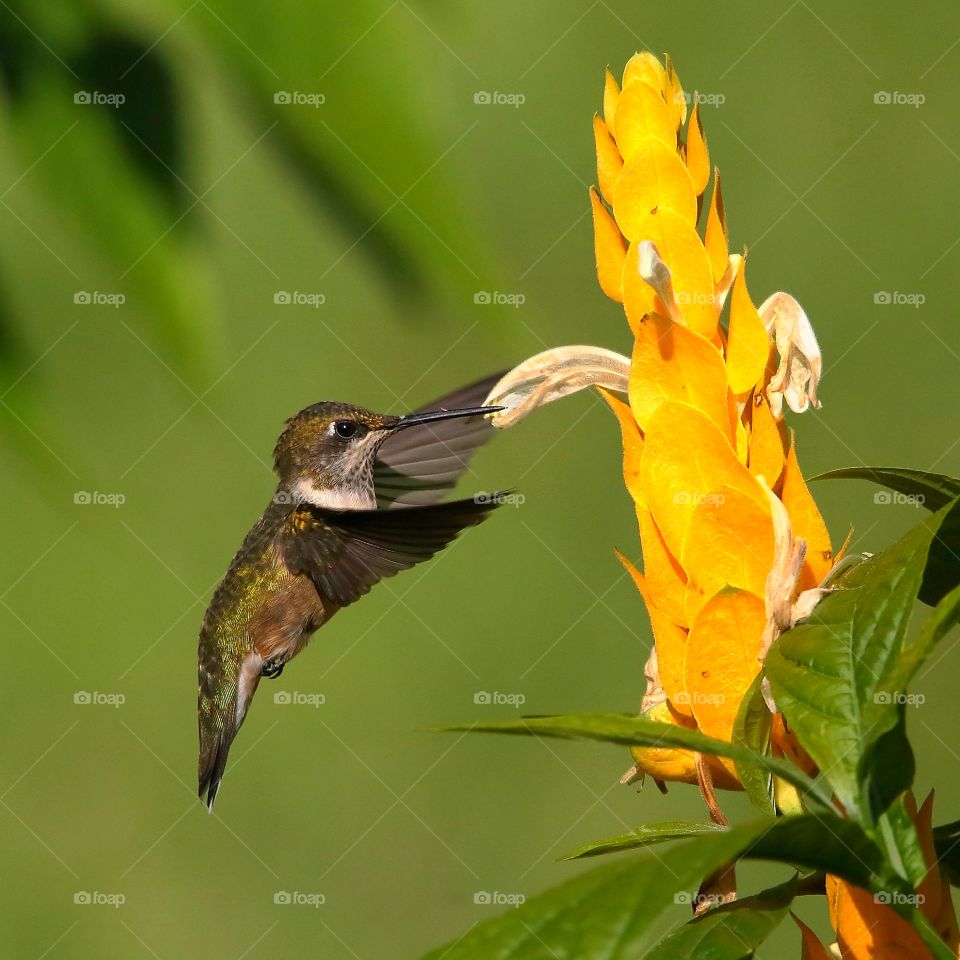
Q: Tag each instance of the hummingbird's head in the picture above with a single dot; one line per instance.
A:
(326, 453)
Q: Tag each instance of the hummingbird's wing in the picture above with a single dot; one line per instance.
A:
(346, 552)
(420, 465)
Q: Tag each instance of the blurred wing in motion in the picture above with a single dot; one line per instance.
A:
(420, 465)
(346, 553)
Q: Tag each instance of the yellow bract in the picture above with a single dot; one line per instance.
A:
(702, 445)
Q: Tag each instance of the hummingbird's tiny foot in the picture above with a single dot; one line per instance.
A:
(272, 669)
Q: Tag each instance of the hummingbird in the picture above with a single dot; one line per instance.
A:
(358, 498)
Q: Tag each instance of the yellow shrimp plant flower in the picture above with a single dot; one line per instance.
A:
(734, 547)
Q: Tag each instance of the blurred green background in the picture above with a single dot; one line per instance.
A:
(395, 201)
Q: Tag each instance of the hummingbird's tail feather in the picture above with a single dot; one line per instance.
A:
(220, 719)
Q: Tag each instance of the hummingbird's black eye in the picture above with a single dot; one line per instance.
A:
(346, 429)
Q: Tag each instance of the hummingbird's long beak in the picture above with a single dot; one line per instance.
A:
(413, 419)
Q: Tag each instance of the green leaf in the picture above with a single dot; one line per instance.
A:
(830, 844)
(631, 730)
(932, 490)
(644, 836)
(603, 914)
(837, 676)
(731, 932)
(751, 729)
(902, 842)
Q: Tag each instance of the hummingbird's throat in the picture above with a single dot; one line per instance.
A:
(346, 496)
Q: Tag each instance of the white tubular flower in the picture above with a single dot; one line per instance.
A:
(801, 365)
(553, 374)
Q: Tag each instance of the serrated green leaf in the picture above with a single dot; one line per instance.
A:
(932, 490)
(751, 729)
(731, 932)
(630, 730)
(603, 914)
(836, 675)
(645, 836)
